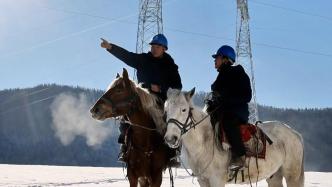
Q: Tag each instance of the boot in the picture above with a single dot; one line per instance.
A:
(122, 155)
(237, 163)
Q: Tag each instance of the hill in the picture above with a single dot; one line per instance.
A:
(51, 125)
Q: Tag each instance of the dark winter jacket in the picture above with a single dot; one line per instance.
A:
(233, 85)
(150, 70)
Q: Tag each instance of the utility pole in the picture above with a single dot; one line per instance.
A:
(150, 23)
(244, 55)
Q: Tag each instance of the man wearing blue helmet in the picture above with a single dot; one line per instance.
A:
(156, 71)
(231, 95)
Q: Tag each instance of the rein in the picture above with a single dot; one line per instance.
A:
(139, 126)
(186, 126)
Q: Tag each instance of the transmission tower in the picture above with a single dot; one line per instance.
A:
(150, 23)
(244, 55)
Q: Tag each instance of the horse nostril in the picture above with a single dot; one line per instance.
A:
(94, 110)
(171, 139)
(174, 138)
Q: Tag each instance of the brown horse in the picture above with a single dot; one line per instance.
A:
(147, 154)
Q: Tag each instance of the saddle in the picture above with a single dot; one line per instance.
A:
(253, 138)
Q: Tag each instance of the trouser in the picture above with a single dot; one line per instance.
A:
(231, 125)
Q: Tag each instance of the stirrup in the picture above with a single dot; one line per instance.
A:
(122, 158)
(235, 168)
(232, 174)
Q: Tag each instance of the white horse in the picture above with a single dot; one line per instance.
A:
(284, 157)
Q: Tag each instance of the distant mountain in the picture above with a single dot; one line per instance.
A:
(29, 133)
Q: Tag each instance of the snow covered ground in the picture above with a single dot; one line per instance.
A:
(27, 175)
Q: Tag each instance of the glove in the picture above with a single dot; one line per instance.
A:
(210, 106)
(212, 102)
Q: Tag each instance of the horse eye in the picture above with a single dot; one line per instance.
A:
(184, 110)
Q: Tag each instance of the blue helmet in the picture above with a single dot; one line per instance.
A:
(226, 51)
(159, 39)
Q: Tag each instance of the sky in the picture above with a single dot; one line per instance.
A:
(58, 41)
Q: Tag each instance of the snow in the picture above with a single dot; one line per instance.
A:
(36, 175)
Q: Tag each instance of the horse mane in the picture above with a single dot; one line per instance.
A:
(149, 104)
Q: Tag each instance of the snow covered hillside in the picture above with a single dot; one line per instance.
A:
(35, 175)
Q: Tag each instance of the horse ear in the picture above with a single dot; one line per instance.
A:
(125, 74)
(169, 91)
(192, 91)
(117, 75)
(190, 94)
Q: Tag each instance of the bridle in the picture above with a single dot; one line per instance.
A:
(190, 121)
(187, 125)
(131, 101)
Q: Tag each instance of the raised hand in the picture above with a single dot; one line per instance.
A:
(105, 44)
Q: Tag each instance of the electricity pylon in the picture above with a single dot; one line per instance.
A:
(244, 55)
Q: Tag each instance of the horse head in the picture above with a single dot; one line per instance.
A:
(118, 100)
(178, 115)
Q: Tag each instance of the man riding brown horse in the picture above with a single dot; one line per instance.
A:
(147, 154)
(156, 71)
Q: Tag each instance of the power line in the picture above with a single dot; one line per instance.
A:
(67, 36)
(213, 36)
(292, 10)
(293, 49)
(254, 43)
(25, 95)
(171, 29)
(26, 105)
(78, 13)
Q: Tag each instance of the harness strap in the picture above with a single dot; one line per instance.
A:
(185, 127)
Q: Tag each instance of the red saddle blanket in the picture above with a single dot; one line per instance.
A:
(249, 134)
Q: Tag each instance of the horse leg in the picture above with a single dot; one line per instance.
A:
(276, 179)
(295, 179)
(216, 181)
(203, 182)
(143, 182)
(295, 174)
(156, 179)
(133, 179)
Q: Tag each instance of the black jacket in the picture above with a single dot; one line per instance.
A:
(150, 70)
(233, 85)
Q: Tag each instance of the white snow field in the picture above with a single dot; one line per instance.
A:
(36, 176)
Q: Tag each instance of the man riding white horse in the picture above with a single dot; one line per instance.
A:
(156, 71)
(231, 94)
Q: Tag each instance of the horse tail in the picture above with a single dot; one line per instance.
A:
(301, 179)
(301, 176)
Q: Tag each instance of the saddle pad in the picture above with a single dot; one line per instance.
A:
(248, 131)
